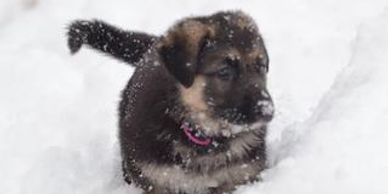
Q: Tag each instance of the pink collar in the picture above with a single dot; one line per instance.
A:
(193, 137)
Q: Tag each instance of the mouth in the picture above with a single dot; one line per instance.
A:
(195, 134)
(198, 136)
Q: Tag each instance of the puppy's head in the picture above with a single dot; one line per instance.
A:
(221, 64)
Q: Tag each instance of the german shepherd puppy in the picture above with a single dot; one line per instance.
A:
(193, 116)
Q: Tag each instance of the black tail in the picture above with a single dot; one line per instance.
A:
(124, 45)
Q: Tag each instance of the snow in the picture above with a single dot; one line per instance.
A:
(342, 148)
(327, 77)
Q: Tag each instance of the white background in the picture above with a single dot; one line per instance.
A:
(328, 76)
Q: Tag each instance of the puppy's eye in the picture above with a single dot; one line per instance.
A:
(261, 67)
(226, 73)
(228, 70)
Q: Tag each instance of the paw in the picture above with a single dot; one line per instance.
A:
(78, 34)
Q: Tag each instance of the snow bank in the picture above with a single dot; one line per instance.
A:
(342, 148)
(58, 113)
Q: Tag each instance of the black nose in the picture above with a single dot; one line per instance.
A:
(249, 109)
(258, 107)
(264, 109)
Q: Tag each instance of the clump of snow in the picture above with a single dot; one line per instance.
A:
(266, 107)
(58, 116)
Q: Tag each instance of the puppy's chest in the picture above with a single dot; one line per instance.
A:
(200, 173)
(178, 179)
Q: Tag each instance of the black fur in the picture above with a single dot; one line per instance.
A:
(152, 110)
(124, 45)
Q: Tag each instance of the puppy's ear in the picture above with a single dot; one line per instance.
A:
(180, 48)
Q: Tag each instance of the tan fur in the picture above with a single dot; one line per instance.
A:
(192, 32)
(197, 108)
(254, 55)
(192, 97)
